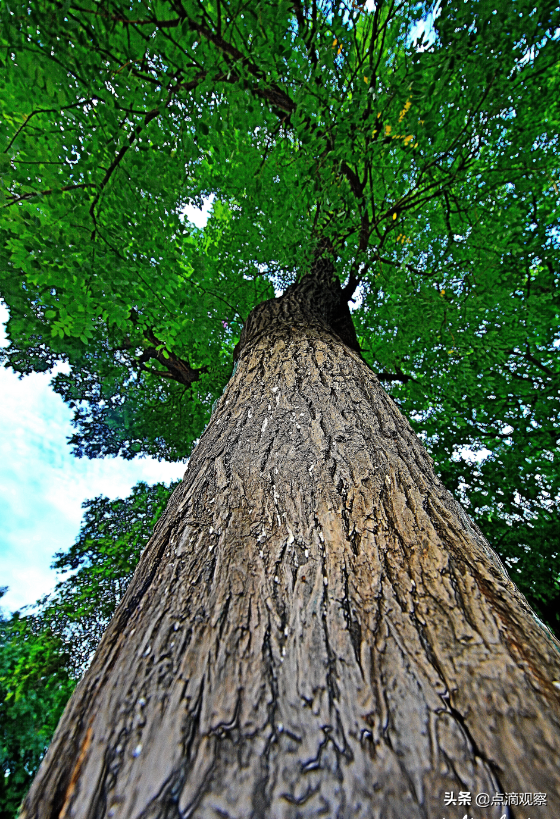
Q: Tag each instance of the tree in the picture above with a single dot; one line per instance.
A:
(99, 567)
(44, 652)
(316, 625)
(34, 688)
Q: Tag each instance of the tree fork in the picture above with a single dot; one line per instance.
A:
(316, 628)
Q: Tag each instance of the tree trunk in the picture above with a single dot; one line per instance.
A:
(316, 627)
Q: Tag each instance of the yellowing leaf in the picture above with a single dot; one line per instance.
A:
(394, 216)
(404, 110)
(387, 129)
(408, 139)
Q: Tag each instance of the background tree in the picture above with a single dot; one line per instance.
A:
(422, 175)
(35, 684)
(99, 567)
(44, 652)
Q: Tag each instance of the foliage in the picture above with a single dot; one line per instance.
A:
(426, 155)
(99, 567)
(35, 684)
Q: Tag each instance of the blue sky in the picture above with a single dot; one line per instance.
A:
(42, 486)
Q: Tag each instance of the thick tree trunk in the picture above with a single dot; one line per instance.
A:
(316, 627)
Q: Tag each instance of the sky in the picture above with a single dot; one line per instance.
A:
(43, 486)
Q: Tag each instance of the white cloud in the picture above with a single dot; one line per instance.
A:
(42, 486)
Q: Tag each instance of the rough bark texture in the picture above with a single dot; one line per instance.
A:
(316, 627)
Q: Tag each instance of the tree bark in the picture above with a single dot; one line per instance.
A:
(316, 627)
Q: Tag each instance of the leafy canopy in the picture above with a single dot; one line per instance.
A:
(428, 161)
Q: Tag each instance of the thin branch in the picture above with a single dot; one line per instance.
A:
(155, 112)
(33, 194)
(45, 111)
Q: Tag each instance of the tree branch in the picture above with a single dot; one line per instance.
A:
(177, 368)
(155, 112)
(24, 197)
